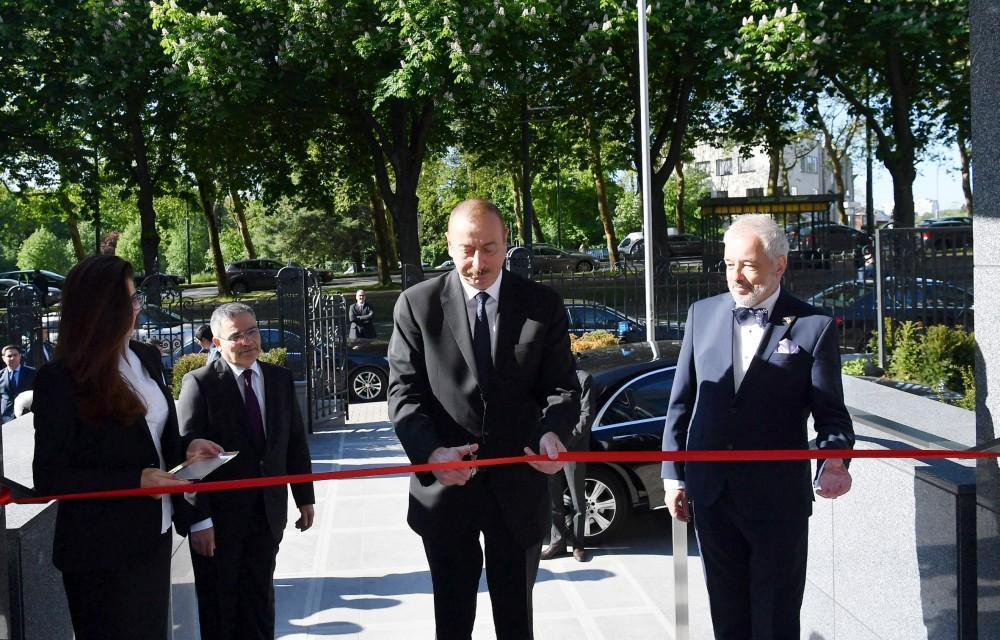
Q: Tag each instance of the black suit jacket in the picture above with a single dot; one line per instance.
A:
(435, 399)
(778, 394)
(25, 381)
(211, 406)
(73, 457)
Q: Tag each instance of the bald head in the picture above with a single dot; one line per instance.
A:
(477, 242)
(474, 208)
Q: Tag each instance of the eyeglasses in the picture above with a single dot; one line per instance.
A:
(136, 299)
(249, 334)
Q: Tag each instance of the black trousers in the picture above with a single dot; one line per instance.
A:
(456, 564)
(755, 571)
(568, 520)
(235, 587)
(132, 603)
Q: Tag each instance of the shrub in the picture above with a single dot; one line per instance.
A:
(43, 250)
(592, 340)
(277, 356)
(184, 364)
(938, 356)
(854, 367)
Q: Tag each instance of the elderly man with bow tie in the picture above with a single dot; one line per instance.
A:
(755, 363)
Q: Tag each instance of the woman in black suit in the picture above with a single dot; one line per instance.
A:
(104, 420)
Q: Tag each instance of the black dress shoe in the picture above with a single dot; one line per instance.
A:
(580, 554)
(553, 551)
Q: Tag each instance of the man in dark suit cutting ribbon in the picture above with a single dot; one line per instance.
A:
(755, 363)
(480, 365)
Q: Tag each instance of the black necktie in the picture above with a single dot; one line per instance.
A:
(13, 383)
(255, 427)
(743, 314)
(481, 341)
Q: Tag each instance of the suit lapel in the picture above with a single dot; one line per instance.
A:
(456, 314)
(510, 318)
(270, 404)
(720, 349)
(774, 332)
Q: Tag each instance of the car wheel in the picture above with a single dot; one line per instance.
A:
(583, 266)
(239, 287)
(606, 503)
(368, 385)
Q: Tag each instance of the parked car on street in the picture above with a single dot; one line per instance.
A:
(548, 259)
(367, 361)
(681, 245)
(586, 316)
(826, 238)
(52, 297)
(26, 276)
(164, 326)
(946, 233)
(632, 386)
(254, 275)
(853, 305)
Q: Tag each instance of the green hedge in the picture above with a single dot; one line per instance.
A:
(192, 361)
(937, 356)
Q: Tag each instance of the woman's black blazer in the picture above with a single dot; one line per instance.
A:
(73, 457)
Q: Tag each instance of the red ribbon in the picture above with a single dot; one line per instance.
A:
(767, 455)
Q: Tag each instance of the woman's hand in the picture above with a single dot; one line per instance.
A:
(153, 477)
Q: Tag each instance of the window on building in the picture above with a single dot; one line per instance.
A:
(724, 167)
(808, 165)
(745, 164)
(703, 167)
(755, 193)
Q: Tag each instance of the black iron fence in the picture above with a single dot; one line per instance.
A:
(920, 274)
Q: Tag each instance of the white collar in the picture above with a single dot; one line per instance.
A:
(238, 370)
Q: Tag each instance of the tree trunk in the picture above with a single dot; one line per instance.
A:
(240, 216)
(71, 223)
(963, 152)
(600, 185)
(206, 197)
(383, 249)
(903, 158)
(402, 144)
(150, 238)
(679, 205)
(518, 218)
(774, 166)
(536, 226)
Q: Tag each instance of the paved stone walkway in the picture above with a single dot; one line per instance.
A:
(360, 572)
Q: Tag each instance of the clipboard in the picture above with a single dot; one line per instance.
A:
(198, 469)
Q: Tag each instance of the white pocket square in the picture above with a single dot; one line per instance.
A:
(787, 346)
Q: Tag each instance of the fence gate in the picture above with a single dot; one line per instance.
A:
(326, 357)
(24, 319)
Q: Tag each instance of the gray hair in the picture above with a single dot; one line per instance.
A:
(228, 311)
(764, 228)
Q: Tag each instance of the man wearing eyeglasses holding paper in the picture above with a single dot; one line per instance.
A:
(250, 407)
(755, 363)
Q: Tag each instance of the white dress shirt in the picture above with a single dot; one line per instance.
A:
(746, 341)
(492, 306)
(157, 411)
(257, 382)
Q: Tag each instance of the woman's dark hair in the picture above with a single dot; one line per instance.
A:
(96, 320)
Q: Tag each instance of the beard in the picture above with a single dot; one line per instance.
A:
(746, 294)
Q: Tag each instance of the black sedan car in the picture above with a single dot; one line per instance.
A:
(548, 259)
(631, 384)
(586, 316)
(853, 305)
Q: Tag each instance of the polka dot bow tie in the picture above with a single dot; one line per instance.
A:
(745, 314)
